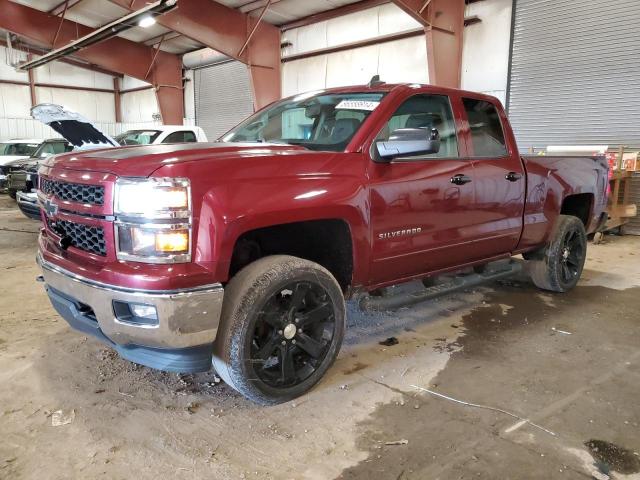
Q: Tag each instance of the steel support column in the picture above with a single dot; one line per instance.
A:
(116, 54)
(32, 84)
(226, 30)
(116, 99)
(443, 22)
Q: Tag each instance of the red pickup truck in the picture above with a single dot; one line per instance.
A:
(241, 253)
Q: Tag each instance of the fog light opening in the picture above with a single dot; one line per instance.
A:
(136, 314)
(148, 312)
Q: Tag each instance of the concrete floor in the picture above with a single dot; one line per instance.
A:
(500, 346)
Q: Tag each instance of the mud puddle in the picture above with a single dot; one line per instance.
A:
(614, 457)
(511, 356)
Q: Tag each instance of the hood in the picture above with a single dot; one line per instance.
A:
(72, 126)
(10, 159)
(142, 161)
(22, 163)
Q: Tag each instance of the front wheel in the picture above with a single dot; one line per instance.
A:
(559, 267)
(282, 324)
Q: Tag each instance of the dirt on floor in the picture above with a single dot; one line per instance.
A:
(503, 381)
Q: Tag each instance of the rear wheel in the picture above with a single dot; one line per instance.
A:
(282, 325)
(12, 193)
(560, 265)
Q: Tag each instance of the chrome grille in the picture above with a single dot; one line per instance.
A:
(73, 192)
(84, 237)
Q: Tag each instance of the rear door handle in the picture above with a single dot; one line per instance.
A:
(513, 176)
(460, 179)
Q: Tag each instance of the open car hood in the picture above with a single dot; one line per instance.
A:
(72, 126)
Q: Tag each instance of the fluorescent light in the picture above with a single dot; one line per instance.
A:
(146, 21)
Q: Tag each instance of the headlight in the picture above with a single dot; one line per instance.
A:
(153, 220)
(152, 198)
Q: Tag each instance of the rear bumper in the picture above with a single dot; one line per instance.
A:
(180, 341)
(28, 204)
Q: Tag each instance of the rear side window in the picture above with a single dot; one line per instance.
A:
(486, 130)
(180, 137)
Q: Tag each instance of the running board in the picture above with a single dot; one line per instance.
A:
(462, 282)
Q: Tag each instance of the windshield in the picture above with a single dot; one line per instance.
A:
(17, 149)
(315, 121)
(51, 148)
(137, 137)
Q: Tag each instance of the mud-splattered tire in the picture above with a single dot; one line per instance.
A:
(559, 266)
(282, 325)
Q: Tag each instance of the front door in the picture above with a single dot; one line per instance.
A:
(420, 206)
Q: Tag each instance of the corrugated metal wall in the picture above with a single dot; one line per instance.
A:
(223, 97)
(575, 74)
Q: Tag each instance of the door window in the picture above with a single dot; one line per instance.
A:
(185, 136)
(428, 112)
(487, 136)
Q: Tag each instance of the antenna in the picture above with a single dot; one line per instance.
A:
(375, 81)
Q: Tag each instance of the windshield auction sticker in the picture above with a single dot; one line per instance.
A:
(357, 105)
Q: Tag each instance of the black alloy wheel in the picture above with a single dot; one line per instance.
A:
(559, 265)
(292, 335)
(282, 324)
(572, 256)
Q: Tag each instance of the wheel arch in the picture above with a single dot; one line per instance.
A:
(328, 242)
(578, 205)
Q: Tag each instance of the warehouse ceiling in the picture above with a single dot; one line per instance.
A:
(96, 13)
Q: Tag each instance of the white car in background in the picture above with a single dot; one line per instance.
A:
(162, 134)
(11, 150)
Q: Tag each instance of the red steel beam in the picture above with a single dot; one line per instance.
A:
(226, 30)
(117, 54)
(443, 22)
(55, 85)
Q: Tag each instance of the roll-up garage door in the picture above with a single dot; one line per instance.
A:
(223, 97)
(575, 73)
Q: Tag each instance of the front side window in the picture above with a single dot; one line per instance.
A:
(487, 136)
(18, 149)
(428, 112)
(317, 122)
(138, 137)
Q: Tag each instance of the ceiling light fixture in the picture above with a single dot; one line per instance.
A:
(146, 21)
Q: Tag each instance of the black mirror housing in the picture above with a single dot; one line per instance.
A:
(407, 142)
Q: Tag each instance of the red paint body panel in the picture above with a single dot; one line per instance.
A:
(237, 188)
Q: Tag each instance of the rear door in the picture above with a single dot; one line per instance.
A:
(499, 178)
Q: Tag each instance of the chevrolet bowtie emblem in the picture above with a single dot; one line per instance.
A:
(50, 208)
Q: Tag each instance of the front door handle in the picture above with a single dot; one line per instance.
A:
(513, 176)
(460, 179)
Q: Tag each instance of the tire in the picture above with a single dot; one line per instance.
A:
(562, 261)
(265, 322)
(12, 193)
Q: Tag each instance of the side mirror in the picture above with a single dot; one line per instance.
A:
(406, 142)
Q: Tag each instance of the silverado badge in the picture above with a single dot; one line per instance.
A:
(399, 233)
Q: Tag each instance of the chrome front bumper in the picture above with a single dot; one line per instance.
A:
(186, 317)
